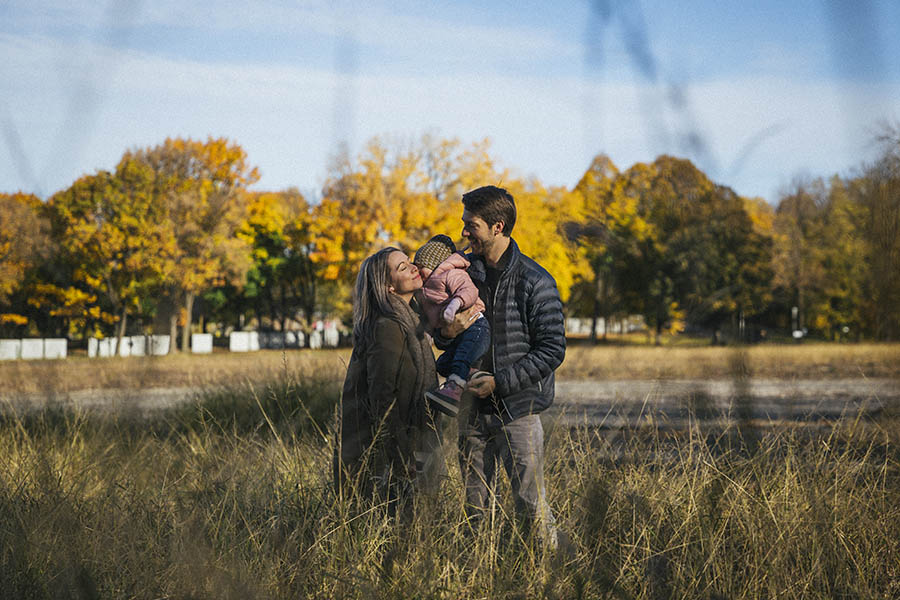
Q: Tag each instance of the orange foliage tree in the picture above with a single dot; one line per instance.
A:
(23, 242)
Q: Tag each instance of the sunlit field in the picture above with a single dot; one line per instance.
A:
(583, 361)
(229, 495)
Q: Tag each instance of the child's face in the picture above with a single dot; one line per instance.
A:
(425, 272)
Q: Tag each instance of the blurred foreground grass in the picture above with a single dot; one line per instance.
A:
(230, 496)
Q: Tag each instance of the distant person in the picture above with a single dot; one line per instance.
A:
(446, 290)
(389, 445)
(528, 343)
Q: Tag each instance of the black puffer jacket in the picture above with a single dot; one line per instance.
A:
(528, 332)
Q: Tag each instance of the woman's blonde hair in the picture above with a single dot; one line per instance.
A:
(371, 296)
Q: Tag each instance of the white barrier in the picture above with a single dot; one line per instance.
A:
(55, 347)
(101, 348)
(201, 343)
(98, 347)
(138, 345)
(582, 326)
(107, 347)
(243, 341)
(10, 349)
(133, 345)
(31, 349)
(159, 345)
(125, 349)
(325, 335)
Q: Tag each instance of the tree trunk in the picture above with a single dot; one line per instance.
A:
(173, 324)
(186, 332)
(120, 333)
(599, 303)
(284, 315)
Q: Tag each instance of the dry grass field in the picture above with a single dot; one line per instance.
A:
(806, 361)
(230, 496)
(790, 361)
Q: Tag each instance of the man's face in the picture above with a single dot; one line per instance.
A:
(481, 236)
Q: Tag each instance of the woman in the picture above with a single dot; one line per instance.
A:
(385, 427)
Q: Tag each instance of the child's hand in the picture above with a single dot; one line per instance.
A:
(451, 309)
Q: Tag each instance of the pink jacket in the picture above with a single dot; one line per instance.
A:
(449, 279)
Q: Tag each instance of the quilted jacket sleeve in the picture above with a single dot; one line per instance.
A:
(544, 335)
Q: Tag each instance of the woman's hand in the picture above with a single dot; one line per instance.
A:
(460, 322)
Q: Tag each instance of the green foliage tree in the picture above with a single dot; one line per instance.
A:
(283, 280)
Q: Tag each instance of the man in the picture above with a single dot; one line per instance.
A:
(516, 381)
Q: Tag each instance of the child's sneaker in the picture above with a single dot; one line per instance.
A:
(446, 397)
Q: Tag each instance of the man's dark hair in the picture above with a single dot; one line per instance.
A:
(493, 204)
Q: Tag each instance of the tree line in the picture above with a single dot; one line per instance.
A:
(173, 240)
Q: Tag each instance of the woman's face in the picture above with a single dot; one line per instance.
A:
(404, 275)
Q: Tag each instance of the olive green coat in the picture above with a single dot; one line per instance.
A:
(383, 415)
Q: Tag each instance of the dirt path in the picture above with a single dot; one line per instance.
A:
(615, 403)
(612, 403)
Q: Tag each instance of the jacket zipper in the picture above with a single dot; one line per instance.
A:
(503, 275)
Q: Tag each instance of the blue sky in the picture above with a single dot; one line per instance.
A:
(756, 94)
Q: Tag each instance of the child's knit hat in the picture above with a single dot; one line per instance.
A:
(434, 252)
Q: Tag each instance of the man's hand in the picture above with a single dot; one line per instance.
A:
(482, 386)
(460, 322)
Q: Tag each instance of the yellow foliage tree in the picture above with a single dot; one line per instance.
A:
(393, 194)
(200, 185)
(539, 230)
(112, 230)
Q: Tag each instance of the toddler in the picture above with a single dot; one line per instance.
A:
(446, 289)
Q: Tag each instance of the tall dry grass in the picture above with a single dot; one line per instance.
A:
(230, 497)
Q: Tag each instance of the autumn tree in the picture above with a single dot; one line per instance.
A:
(393, 192)
(636, 218)
(662, 240)
(24, 242)
(588, 224)
(799, 250)
(283, 281)
(845, 256)
(200, 185)
(878, 192)
(112, 230)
